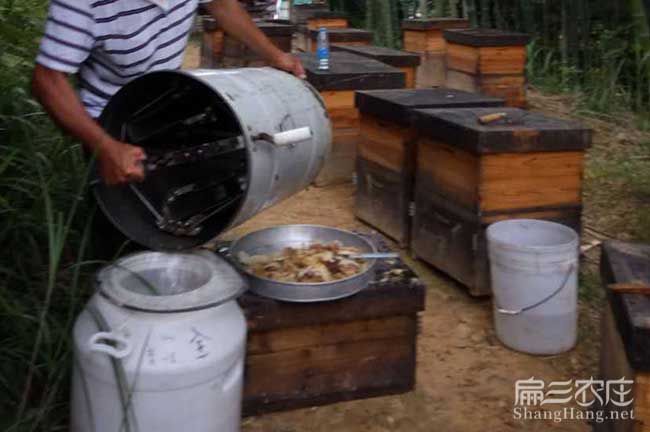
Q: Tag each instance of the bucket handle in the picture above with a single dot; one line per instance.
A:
(538, 303)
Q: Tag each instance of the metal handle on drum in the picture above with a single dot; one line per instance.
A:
(110, 343)
(286, 138)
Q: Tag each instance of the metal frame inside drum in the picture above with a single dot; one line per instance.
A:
(263, 101)
(263, 242)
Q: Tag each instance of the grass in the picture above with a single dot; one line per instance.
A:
(614, 87)
(46, 218)
(44, 234)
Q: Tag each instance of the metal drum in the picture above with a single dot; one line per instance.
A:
(222, 145)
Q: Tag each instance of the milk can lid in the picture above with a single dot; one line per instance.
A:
(170, 282)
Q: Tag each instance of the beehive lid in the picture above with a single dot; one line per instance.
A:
(396, 105)
(280, 21)
(351, 72)
(346, 35)
(434, 23)
(389, 56)
(520, 131)
(483, 37)
(275, 29)
(325, 14)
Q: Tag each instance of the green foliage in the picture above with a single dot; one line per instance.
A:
(43, 236)
(382, 17)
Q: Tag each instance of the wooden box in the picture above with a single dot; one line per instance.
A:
(301, 39)
(302, 355)
(470, 174)
(235, 54)
(337, 85)
(387, 152)
(299, 14)
(405, 61)
(342, 36)
(488, 61)
(327, 19)
(424, 36)
(625, 335)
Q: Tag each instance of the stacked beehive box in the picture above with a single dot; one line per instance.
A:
(625, 338)
(301, 355)
(405, 61)
(299, 13)
(315, 20)
(387, 152)
(342, 36)
(222, 50)
(337, 85)
(488, 61)
(327, 19)
(424, 36)
(470, 174)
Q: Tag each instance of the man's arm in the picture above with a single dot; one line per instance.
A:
(118, 162)
(235, 21)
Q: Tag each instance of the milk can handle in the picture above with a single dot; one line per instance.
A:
(538, 303)
(119, 349)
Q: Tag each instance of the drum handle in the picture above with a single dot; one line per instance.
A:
(286, 138)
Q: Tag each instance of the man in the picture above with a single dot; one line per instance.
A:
(107, 43)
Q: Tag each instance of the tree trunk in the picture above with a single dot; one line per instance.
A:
(527, 13)
(486, 20)
(641, 47)
(438, 8)
(470, 10)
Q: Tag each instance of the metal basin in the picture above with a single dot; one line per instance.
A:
(273, 240)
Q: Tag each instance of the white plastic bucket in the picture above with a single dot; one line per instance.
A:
(534, 271)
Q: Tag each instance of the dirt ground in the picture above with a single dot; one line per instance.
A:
(465, 377)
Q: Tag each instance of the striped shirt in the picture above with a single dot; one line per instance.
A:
(107, 43)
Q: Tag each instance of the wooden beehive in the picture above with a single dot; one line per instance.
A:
(300, 13)
(236, 54)
(387, 153)
(625, 335)
(405, 61)
(488, 61)
(212, 43)
(469, 175)
(342, 36)
(424, 36)
(327, 19)
(347, 73)
(301, 355)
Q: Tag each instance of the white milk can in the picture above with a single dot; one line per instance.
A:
(160, 347)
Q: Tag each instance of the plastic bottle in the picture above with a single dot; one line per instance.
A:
(323, 49)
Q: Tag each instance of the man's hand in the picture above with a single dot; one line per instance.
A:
(289, 63)
(120, 162)
(234, 20)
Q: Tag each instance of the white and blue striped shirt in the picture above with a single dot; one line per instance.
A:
(107, 43)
